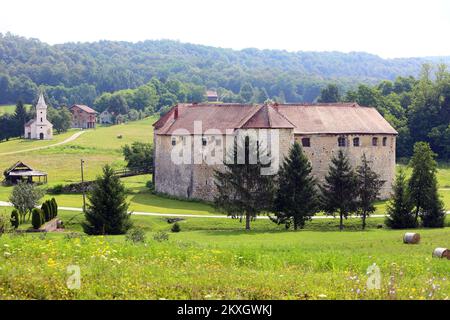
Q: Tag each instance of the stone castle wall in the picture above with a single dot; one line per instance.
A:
(196, 181)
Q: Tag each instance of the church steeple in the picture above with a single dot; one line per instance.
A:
(41, 102)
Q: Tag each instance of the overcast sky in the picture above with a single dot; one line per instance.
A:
(389, 28)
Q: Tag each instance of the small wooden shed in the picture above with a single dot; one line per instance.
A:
(22, 172)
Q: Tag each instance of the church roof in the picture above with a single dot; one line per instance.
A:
(30, 122)
(337, 118)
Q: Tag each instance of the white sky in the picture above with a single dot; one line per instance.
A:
(389, 28)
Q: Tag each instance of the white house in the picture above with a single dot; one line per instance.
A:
(39, 128)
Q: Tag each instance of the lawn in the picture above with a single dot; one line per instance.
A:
(220, 260)
(10, 108)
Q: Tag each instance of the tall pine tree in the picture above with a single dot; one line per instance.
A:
(400, 208)
(423, 187)
(296, 199)
(242, 191)
(369, 186)
(20, 118)
(107, 212)
(339, 192)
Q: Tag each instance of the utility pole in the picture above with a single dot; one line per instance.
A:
(82, 185)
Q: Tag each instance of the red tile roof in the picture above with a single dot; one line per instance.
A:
(303, 118)
(84, 108)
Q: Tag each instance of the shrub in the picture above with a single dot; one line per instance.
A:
(36, 218)
(55, 207)
(135, 235)
(58, 189)
(3, 225)
(47, 211)
(150, 185)
(15, 219)
(176, 227)
(161, 236)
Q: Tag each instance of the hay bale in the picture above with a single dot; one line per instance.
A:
(411, 238)
(441, 253)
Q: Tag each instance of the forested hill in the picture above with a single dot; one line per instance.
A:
(89, 69)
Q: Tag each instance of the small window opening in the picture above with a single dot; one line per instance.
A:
(341, 142)
(375, 141)
(356, 142)
(384, 142)
(174, 141)
(306, 142)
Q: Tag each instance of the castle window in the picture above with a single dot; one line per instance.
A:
(218, 142)
(341, 142)
(41, 119)
(356, 142)
(375, 141)
(174, 141)
(306, 142)
(384, 141)
(204, 141)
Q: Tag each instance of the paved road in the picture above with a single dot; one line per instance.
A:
(70, 139)
(180, 215)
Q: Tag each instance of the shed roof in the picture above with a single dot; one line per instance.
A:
(22, 169)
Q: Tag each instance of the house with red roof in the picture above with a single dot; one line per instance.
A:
(83, 117)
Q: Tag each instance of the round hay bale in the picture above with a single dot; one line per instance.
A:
(411, 238)
(441, 253)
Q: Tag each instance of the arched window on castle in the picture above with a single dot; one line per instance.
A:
(384, 141)
(356, 142)
(341, 142)
(374, 141)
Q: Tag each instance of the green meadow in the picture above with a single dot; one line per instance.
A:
(209, 258)
(217, 259)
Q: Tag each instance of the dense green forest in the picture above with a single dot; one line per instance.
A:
(80, 72)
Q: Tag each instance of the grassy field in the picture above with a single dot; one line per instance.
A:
(221, 261)
(10, 108)
(209, 258)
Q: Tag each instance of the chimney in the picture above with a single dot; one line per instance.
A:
(175, 114)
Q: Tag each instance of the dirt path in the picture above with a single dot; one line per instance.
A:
(70, 139)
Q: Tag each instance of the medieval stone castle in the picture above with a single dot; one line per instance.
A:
(321, 129)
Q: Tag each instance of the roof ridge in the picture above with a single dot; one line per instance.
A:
(251, 114)
(282, 115)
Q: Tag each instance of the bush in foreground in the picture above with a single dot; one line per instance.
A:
(176, 227)
(135, 235)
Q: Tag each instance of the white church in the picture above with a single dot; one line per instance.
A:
(39, 128)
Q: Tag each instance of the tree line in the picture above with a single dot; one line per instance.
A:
(294, 195)
(419, 109)
(86, 70)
